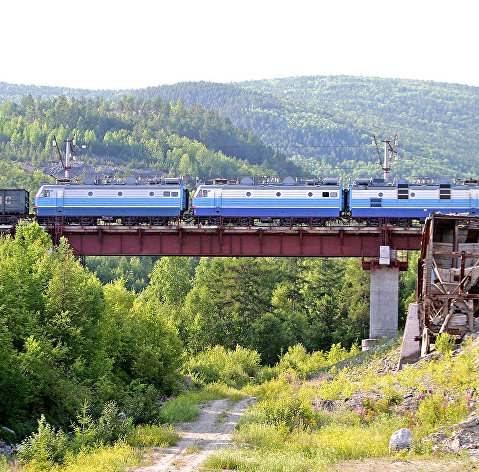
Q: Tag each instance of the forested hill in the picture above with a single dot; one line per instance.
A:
(130, 136)
(324, 123)
(327, 122)
(15, 92)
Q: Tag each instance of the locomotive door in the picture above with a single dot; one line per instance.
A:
(218, 202)
(59, 202)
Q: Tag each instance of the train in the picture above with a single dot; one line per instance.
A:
(241, 202)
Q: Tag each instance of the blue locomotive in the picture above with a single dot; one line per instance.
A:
(129, 202)
(374, 198)
(245, 202)
(242, 203)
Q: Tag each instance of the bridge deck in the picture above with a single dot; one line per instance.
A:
(331, 241)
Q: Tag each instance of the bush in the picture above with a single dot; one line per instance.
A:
(286, 409)
(179, 410)
(45, 447)
(217, 364)
(444, 343)
(109, 428)
(299, 361)
(142, 404)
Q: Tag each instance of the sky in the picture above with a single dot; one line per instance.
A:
(105, 44)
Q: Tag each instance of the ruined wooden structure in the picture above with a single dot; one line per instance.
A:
(448, 277)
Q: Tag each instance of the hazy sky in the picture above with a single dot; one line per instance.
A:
(137, 43)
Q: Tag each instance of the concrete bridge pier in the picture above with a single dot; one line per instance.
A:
(383, 301)
(384, 295)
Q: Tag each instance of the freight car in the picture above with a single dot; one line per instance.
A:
(245, 203)
(128, 203)
(14, 203)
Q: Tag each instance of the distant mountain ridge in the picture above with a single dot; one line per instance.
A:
(326, 123)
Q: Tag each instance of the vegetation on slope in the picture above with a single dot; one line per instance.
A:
(327, 123)
(350, 409)
(130, 135)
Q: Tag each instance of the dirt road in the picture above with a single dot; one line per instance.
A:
(211, 431)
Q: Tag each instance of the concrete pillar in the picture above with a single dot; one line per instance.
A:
(383, 307)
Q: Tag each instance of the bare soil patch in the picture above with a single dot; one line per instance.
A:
(405, 465)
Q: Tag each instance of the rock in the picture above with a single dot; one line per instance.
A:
(8, 430)
(400, 439)
(7, 451)
(469, 423)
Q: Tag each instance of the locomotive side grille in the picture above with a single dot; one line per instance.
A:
(445, 194)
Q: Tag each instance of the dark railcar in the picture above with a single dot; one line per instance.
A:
(13, 203)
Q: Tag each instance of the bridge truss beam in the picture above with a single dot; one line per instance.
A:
(115, 240)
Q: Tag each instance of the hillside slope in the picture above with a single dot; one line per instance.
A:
(327, 122)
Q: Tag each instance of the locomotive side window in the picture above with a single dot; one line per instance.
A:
(174, 194)
(334, 194)
(46, 193)
(325, 194)
(403, 194)
(166, 194)
(444, 194)
(205, 193)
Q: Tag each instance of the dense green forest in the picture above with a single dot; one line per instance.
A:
(67, 339)
(323, 123)
(327, 123)
(130, 137)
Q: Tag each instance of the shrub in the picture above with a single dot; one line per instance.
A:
(179, 410)
(444, 343)
(4, 464)
(285, 409)
(45, 447)
(217, 364)
(117, 458)
(142, 404)
(439, 409)
(111, 426)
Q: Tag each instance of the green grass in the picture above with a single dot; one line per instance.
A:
(152, 436)
(223, 415)
(118, 458)
(193, 449)
(186, 407)
(286, 431)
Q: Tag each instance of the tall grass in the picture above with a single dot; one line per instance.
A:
(288, 430)
(186, 407)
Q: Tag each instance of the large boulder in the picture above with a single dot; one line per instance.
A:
(400, 439)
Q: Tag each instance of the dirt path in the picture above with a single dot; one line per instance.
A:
(212, 430)
(453, 464)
